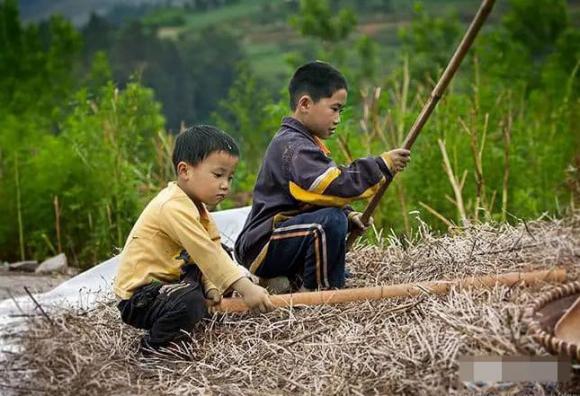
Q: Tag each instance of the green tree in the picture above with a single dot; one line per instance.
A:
(75, 163)
(536, 24)
(429, 41)
(112, 139)
(211, 69)
(248, 115)
(316, 19)
(99, 169)
(535, 41)
(368, 65)
(37, 75)
(243, 113)
(35, 62)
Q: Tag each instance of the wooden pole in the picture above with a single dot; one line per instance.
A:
(428, 108)
(329, 297)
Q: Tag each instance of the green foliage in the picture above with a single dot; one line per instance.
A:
(210, 69)
(316, 19)
(537, 25)
(188, 76)
(81, 155)
(100, 73)
(560, 71)
(430, 40)
(247, 114)
(75, 164)
(223, 13)
(243, 114)
(522, 124)
(32, 59)
(111, 142)
(368, 54)
(99, 167)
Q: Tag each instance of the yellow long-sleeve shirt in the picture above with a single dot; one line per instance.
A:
(170, 223)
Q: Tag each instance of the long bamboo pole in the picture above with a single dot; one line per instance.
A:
(330, 297)
(428, 108)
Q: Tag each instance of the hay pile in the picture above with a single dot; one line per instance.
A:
(404, 346)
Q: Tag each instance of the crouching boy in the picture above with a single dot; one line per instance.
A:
(173, 259)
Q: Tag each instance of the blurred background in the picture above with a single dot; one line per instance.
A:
(92, 94)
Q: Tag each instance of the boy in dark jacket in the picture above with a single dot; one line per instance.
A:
(299, 220)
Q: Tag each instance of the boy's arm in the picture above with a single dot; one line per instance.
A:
(180, 223)
(178, 218)
(316, 179)
(211, 291)
(207, 284)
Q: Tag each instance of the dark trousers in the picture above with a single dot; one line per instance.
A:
(169, 311)
(311, 247)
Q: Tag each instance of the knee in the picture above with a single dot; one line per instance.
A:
(335, 221)
(192, 308)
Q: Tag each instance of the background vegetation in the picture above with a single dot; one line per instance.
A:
(88, 112)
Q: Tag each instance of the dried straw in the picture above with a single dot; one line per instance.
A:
(404, 346)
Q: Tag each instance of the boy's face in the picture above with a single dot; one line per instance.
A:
(322, 117)
(208, 181)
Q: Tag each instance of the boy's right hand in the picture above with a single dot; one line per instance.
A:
(399, 158)
(255, 297)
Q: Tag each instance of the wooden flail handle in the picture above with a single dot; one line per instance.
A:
(428, 108)
(330, 297)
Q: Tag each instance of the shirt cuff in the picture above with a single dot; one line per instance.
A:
(227, 284)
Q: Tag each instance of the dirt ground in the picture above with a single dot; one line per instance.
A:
(12, 283)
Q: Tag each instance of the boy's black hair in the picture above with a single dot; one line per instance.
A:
(197, 142)
(316, 79)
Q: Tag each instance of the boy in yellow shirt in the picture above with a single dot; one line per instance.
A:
(173, 256)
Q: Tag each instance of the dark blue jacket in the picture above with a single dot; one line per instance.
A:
(298, 176)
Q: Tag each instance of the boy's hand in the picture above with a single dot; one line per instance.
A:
(255, 297)
(214, 297)
(355, 219)
(398, 159)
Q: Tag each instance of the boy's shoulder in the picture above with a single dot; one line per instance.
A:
(172, 198)
(292, 132)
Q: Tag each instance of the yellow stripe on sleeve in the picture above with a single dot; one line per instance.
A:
(329, 200)
(323, 181)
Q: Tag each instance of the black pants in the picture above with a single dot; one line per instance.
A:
(169, 311)
(311, 246)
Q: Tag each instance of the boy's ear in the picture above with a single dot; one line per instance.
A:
(182, 168)
(304, 102)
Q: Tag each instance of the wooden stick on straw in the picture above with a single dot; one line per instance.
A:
(428, 108)
(329, 297)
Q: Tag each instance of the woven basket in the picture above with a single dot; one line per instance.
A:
(543, 313)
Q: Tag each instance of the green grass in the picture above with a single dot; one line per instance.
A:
(167, 17)
(184, 20)
(228, 14)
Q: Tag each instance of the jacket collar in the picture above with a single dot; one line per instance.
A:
(293, 123)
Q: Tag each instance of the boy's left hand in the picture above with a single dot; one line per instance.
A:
(355, 219)
(214, 297)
